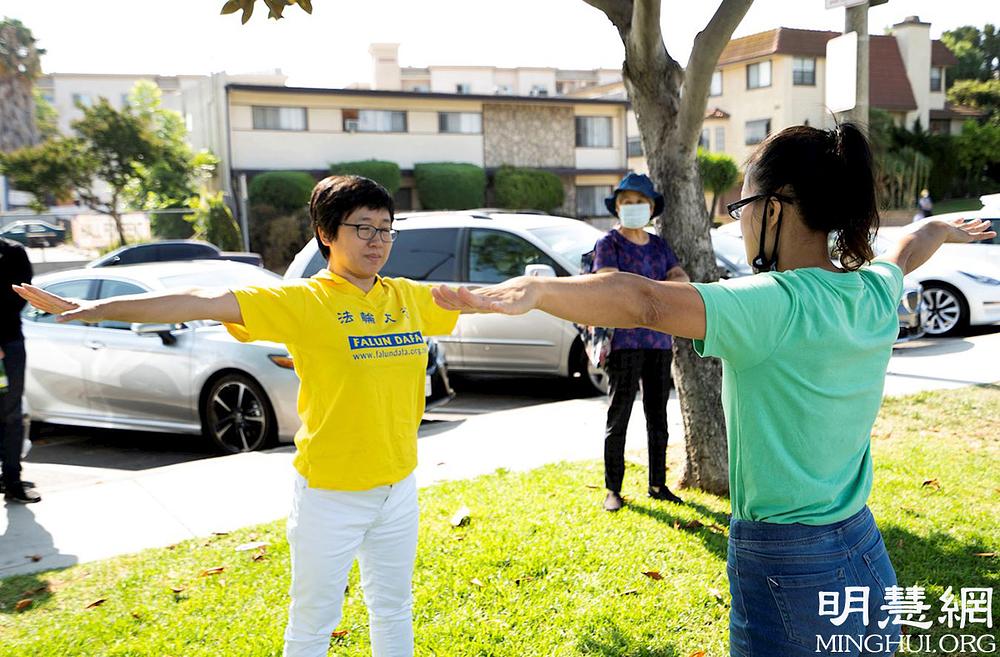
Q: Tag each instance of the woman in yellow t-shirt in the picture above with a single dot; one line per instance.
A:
(357, 341)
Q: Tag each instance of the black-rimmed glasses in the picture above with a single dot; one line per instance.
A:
(735, 210)
(367, 232)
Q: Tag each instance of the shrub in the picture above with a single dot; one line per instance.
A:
(171, 225)
(214, 222)
(282, 190)
(718, 174)
(521, 188)
(278, 235)
(450, 186)
(385, 173)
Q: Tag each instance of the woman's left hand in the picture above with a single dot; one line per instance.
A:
(514, 297)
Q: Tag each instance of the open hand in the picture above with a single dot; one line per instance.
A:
(65, 310)
(962, 231)
(514, 297)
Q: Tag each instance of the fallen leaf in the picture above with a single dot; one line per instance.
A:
(985, 554)
(259, 556)
(591, 486)
(212, 571)
(96, 603)
(526, 578)
(251, 546)
(136, 615)
(653, 574)
(23, 604)
(461, 517)
(715, 593)
(176, 589)
(698, 653)
(631, 592)
(220, 533)
(35, 557)
(41, 589)
(677, 524)
(475, 580)
(931, 483)
(171, 547)
(441, 463)
(340, 634)
(693, 524)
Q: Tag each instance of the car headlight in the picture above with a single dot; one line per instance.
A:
(282, 360)
(985, 280)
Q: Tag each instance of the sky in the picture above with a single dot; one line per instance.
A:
(330, 47)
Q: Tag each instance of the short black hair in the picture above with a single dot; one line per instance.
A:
(335, 197)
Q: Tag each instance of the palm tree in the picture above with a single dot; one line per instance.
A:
(19, 68)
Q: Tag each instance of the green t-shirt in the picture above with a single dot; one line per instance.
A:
(804, 355)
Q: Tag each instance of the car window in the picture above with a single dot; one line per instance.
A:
(229, 277)
(136, 255)
(495, 256)
(995, 229)
(109, 289)
(185, 251)
(570, 241)
(316, 263)
(424, 255)
(79, 289)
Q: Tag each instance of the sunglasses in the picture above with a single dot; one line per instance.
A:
(735, 210)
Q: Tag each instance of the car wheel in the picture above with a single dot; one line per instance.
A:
(590, 380)
(945, 311)
(236, 414)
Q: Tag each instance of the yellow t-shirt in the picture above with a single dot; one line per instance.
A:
(361, 361)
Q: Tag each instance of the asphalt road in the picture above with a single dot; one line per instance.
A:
(93, 454)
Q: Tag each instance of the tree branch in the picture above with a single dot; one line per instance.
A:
(645, 36)
(708, 45)
(619, 12)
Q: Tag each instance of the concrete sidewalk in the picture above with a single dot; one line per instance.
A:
(127, 511)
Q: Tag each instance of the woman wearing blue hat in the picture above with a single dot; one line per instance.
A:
(638, 354)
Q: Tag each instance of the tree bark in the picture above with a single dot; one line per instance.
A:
(670, 124)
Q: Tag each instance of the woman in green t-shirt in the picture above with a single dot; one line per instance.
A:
(804, 345)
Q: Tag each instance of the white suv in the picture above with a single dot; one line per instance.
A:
(474, 248)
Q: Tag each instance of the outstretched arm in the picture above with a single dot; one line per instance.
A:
(615, 300)
(158, 307)
(917, 247)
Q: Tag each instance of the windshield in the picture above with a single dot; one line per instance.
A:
(228, 277)
(570, 241)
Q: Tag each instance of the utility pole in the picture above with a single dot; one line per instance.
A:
(857, 21)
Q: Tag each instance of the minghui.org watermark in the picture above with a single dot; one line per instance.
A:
(971, 609)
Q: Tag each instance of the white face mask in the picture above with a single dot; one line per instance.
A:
(634, 215)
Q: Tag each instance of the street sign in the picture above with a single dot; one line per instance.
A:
(842, 72)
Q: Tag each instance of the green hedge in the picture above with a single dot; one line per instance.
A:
(214, 222)
(385, 173)
(282, 190)
(520, 188)
(450, 185)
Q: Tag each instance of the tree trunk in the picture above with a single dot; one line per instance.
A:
(17, 113)
(118, 224)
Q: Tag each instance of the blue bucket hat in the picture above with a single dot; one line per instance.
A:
(636, 182)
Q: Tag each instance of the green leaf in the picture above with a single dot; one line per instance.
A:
(230, 7)
(307, 6)
(247, 6)
(276, 6)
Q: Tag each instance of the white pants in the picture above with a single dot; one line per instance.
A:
(326, 529)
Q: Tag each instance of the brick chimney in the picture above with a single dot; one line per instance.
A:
(385, 65)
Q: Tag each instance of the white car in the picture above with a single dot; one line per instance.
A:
(481, 247)
(961, 282)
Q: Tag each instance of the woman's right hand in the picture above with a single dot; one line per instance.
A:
(960, 231)
(65, 310)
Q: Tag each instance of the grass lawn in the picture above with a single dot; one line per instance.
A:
(540, 570)
(957, 205)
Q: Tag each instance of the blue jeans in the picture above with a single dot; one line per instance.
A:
(777, 572)
(11, 417)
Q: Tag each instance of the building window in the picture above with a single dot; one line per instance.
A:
(720, 138)
(593, 131)
(716, 88)
(374, 121)
(460, 122)
(538, 90)
(590, 200)
(125, 102)
(759, 75)
(279, 118)
(463, 88)
(504, 90)
(803, 71)
(635, 146)
(940, 126)
(757, 131)
(83, 99)
(705, 140)
(421, 88)
(937, 76)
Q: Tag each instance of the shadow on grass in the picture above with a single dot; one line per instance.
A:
(938, 559)
(714, 540)
(610, 641)
(26, 546)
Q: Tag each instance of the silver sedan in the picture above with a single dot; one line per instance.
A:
(182, 378)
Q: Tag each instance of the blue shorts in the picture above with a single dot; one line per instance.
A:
(777, 572)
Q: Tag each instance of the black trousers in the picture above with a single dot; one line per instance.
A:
(11, 421)
(626, 369)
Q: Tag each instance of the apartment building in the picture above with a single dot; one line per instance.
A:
(267, 128)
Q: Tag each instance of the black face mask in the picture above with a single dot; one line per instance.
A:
(762, 263)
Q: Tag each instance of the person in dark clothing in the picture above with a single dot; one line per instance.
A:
(637, 355)
(15, 269)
